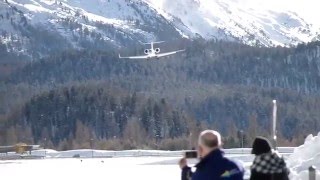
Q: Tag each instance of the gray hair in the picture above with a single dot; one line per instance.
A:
(210, 139)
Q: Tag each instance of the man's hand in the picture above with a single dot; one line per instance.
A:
(183, 163)
(186, 173)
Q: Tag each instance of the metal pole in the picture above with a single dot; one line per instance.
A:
(312, 173)
(91, 144)
(274, 124)
(190, 140)
(242, 140)
(45, 146)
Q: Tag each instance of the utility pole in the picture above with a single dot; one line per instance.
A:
(190, 140)
(45, 147)
(242, 138)
(91, 145)
(274, 124)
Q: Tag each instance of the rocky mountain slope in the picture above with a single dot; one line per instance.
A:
(37, 27)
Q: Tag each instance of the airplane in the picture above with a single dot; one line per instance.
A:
(19, 148)
(152, 52)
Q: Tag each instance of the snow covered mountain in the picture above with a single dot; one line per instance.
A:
(253, 22)
(40, 26)
(31, 26)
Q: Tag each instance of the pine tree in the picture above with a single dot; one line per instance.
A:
(253, 127)
(11, 136)
(146, 120)
(134, 133)
(82, 135)
(157, 122)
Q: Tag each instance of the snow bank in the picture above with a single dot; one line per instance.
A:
(305, 156)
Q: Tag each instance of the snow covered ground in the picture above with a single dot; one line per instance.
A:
(141, 164)
(114, 168)
(142, 168)
(134, 164)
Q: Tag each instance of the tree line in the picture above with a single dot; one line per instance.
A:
(215, 84)
(80, 113)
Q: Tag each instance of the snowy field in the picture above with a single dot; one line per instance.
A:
(136, 164)
(140, 164)
(142, 168)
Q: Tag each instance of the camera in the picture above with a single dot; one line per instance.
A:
(191, 154)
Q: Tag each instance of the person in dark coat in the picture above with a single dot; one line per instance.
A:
(267, 165)
(213, 164)
(186, 170)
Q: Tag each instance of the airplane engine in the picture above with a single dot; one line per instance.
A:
(147, 51)
(157, 50)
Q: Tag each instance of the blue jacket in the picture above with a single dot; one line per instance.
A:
(216, 167)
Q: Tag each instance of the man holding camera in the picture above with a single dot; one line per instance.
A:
(213, 164)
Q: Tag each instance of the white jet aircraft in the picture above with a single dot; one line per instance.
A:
(152, 53)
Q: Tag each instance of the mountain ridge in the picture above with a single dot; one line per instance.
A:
(113, 24)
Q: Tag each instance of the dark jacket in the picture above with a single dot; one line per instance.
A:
(267, 165)
(217, 167)
(186, 173)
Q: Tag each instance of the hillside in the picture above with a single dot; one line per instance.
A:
(60, 74)
(39, 28)
(214, 88)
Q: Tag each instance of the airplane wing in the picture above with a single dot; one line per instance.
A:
(169, 53)
(157, 42)
(133, 57)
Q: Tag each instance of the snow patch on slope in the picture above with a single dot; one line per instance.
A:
(80, 21)
(251, 21)
(254, 22)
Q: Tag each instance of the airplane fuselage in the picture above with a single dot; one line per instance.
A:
(152, 53)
